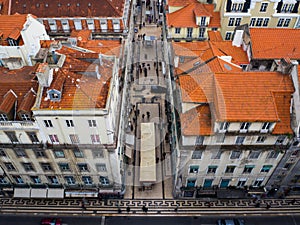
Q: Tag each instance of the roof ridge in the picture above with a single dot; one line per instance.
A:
(110, 3)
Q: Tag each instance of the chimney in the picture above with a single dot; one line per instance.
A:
(43, 74)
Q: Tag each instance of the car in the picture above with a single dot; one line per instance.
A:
(51, 221)
(230, 222)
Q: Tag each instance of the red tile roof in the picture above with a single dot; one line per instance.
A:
(66, 8)
(11, 26)
(242, 96)
(180, 3)
(196, 121)
(273, 43)
(78, 82)
(19, 82)
(214, 35)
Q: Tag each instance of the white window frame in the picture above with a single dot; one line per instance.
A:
(177, 30)
(95, 138)
(263, 7)
(244, 127)
(239, 140)
(3, 117)
(48, 123)
(74, 138)
(231, 22)
(54, 138)
(261, 139)
(69, 123)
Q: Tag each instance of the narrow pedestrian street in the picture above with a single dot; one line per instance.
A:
(147, 94)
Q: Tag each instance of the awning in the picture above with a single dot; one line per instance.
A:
(38, 193)
(55, 193)
(22, 193)
(106, 191)
(81, 194)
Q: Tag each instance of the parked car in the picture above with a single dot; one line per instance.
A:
(51, 221)
(230, 222)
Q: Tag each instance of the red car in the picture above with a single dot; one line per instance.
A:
(51, 221)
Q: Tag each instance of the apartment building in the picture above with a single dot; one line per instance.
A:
(62, 17)
(191, 20)
(258, 14)
(234, 125)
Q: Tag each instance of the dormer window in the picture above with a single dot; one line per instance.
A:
(25, 117)
(203, 20)
(3, 117)
(103, 25)
(54, 95)
(116, 25)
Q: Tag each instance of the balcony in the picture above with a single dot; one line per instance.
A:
(18, 125)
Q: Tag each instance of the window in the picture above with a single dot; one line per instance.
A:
(189, 32)
(194, 169)
(241, 182)
(78, 153)
(259, 22)
(202, 22)
(220, 138)
(53, 179)
(3, 117)
(261, 139)
(238, 21)
(18, 179)
(265, 127)
(216, 155)
(101, 167)
(92, 123)
(83, 167)
(104, 180)
(40, 154)
(181, 59)
(229, 169)
(74, 138)
(9, 166)
(12, 136)
(199, 140)
(191, 182)
(98, 153)
(228, 36)
(258, 182)
(266, 22)
(70, 180)
(263, 7)
(280, 22)
(25, 117)
(224, 183)
(28, 167)
(239, 140)
(266, 168)
(35, 179)
(252, 22)
(244, 127)
(223, 126)
(95, 138)
(287, 7)
(235, 154)
(197, 154)
(212, 169)
(69, 123)
(288, 166)
(48, 123)
(254, 154)
(280, 140)
(273, 154)
(237, 7)
(2, 153)
(33, 137)
(3, 180)
(64, 167)
(177, 30)
(231, 22)
(46, 167)
(287, 22)
(53, 138)
(59, 153)
(201, 32)
(20, 152)
(248, 169)
(207, 183)
(284, 7)
(87, 180)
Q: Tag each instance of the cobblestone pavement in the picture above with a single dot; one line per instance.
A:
(155, 207)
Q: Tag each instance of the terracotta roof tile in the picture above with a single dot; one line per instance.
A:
(8, 102)
(27, 103)
(215, 20)
(180, 3)
(66, 8)
(10, 26)
(248, 96)
(214, 35)
(107, 47)
(196, 121)
(273, 43)
(186, 15)
(283, 101)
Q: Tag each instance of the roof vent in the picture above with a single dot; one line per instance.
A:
(24, 5)
(68, 4)
(89, 5)
(59, 5)
(46, 5)
(78, 4)
(37, 5)
(197, 63)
